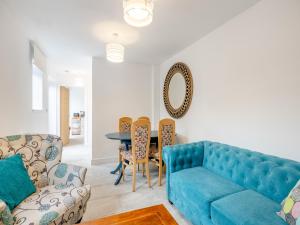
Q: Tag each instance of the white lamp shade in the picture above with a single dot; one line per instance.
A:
(138, 13)
(115, 52)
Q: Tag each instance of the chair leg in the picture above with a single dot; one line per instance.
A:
(160, 172)
(148, 174)
(143, 169)
(133, 177)
(138, 167)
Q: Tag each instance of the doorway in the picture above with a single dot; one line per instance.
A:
(77, 115)
(69, 117)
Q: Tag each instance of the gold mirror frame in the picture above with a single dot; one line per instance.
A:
(184, 70)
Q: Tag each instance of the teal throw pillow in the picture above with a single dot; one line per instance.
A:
(15, 183)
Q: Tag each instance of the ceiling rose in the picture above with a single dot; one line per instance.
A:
(115, 52)
(138, 13)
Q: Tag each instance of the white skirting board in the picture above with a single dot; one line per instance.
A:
(100, 161)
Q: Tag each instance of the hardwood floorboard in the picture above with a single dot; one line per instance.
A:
(154, 215)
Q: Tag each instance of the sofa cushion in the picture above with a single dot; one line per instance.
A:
(15, 183)
(55, 204)
(245, 208)
(269, 175)
(201, 186)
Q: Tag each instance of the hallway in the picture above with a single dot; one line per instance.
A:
(76, 152)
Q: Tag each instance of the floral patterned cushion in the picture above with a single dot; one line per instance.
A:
(125, 126)
(40, 153)
(290, 211)
(167, 133)
(57, 204)
(153, 151)
(127, 155)
(154, 155)
(141, 140)
(122, 147)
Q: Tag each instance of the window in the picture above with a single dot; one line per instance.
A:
(37, 88)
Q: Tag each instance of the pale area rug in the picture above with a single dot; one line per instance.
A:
(108, 199)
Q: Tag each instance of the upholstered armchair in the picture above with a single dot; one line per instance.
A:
(61, 196)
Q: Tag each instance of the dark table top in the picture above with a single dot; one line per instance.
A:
(125, 136)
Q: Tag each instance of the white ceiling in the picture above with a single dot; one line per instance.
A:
(72, 31)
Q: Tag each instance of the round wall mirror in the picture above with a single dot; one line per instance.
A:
(178, 90)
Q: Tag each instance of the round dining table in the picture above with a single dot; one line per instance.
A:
(125, 138)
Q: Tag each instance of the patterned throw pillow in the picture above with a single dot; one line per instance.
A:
(290, 207)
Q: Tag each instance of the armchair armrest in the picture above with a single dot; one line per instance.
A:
(67, 174)
(5, 215)
(179, 157)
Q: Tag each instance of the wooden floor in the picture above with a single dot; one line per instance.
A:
(154, 215)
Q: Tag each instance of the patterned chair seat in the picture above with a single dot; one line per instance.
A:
(153, 152)
(154, 155)
(122, 147)
(127, 155)
(54, 204)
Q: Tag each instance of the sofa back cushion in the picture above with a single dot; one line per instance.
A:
(40, 153)
(269, 175)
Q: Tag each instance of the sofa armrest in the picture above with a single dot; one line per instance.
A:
(67, 174)
(5, 215)
(179, 157)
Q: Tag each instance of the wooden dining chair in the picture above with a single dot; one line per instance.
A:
(140, 142)
(124, 126)
(144, 118)
(166, 136)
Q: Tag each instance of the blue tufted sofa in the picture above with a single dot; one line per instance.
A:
(218, 184)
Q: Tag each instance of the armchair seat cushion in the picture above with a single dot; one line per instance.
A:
(188, 182)
(246, 208)
(56, 204)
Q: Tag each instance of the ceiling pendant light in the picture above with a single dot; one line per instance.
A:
(138, 13)
(115, 52)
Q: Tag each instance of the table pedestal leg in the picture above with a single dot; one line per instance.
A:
(120, 175)
(119, 168)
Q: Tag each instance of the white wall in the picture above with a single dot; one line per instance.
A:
(16, 114)
(155, 96)
(246, 81)
(77, 100)
(53, 109)
(118, 90)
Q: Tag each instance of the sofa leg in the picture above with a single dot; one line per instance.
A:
(170, 202)
(79, 221)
